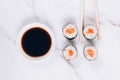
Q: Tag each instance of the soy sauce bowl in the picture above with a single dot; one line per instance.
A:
(35, 41)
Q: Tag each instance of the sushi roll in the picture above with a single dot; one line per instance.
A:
(70, 52)
(70, 31)
(90, 32)
(90, 52)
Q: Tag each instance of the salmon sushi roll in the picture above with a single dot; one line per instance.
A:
(90, 32)
(90, 52)
(70, 52)
(70, 31)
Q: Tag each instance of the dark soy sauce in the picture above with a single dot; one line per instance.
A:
(36, 42)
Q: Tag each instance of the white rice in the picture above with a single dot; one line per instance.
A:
(70, 36)
(90, 36)
(87, 56)
(66, 55)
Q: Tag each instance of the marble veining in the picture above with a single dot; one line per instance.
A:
(55, 14)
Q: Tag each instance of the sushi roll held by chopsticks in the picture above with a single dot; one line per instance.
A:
(70, 52)
(70, 31)
(90, 32)
(90, 52)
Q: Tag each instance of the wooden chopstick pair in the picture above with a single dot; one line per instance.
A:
(96, 18)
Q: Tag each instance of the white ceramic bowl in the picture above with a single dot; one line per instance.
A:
(34, 25)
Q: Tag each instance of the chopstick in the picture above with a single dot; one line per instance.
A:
(97, 18)
(82, 18)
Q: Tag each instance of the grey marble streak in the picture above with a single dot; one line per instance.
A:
(61, 6)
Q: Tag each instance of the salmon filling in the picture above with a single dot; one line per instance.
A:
(90, 52)
(70, 31)
(70, 52)
(90, 31)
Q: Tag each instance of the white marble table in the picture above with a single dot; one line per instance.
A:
(14, 14)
